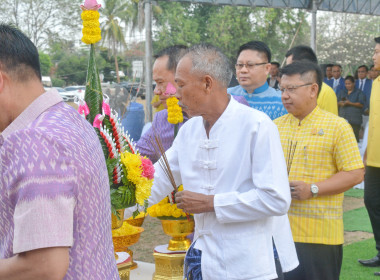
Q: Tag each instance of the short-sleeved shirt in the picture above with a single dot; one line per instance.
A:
(265, 99)
(351, 113)
(327, 99)
(373, 148)
(325, 146)
(54, 188)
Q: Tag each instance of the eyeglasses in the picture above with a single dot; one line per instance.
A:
(293, 88)
(249, 66)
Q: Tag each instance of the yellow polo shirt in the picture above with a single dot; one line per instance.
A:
(325, 145)
(373, 146)
(327, 99)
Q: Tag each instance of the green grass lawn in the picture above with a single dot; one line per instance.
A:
(354, 193)
(351, 269)
(357, 220)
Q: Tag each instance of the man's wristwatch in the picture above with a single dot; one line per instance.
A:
(314, 190)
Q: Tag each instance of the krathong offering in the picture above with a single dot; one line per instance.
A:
(130, 174)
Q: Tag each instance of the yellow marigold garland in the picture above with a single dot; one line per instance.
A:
(174, 111)
(91, 27)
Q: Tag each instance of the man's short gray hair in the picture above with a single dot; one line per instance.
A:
(209, 60)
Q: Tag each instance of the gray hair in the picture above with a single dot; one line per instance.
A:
(209, 60)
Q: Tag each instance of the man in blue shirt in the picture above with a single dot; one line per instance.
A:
(252, 69)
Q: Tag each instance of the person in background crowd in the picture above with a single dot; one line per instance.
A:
(326, 99)
(351, 101)
(323, 162)
(338, 82)
(373, 73)
(328, 75)
(55, 220)
(157, 104)
(365, 85)
(372, 162)
(274, 77)
(252, 69)
(163, 74)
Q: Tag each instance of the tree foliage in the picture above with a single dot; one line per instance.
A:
(45, 64)
(228, 27)
(346, 39)
(43, 19)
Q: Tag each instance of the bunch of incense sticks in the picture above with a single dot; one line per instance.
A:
(290, 154)
(163, 161)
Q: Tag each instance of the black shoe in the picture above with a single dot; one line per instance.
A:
(375, 261)
(377, 273)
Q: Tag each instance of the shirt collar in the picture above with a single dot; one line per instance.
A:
(31, 113)
(261, 89)
(316, 111)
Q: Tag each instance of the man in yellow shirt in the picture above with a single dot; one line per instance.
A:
(372, 160)
(327, 98)
(323, 161)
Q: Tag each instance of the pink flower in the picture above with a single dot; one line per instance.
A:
(147, 167)
(90, 5)
(170, 89)
(83, 108)
(98, 121)
(106, 108)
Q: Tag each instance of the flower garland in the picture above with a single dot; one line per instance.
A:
(175, 115)
(165, 210)
(91, 26)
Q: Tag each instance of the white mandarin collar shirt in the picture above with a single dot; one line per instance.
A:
(242, 164)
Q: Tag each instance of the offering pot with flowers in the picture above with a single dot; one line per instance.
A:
(175, 223)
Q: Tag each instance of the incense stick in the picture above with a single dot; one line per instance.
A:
(290, 154)
(163, 160)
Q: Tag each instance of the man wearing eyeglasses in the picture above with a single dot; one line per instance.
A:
(252, 69)
(323, 161)
(327, 99)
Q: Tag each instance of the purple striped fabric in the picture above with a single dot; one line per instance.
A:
(54, 188)
(161, 127)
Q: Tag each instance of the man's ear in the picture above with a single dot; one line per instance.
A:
(208, 82)
(314, 90)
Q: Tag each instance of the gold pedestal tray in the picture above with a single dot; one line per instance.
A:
(178, 230)
(124, 269)
(121, 244)
(168, 266)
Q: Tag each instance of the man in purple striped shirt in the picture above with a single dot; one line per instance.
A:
(55, 207)
(163, 73)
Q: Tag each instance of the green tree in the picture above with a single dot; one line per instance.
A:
(45, 64)
(115, 13)
(228, 27)
(43, 19)
(72, 68)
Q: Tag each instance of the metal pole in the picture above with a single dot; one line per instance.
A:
(148, 59)
(313, 32)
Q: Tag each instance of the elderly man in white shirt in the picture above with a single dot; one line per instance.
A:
(229, 159)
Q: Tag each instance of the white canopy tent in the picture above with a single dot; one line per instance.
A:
(365, 7)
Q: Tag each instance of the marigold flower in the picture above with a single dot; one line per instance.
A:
(174, 111)
(91, 27)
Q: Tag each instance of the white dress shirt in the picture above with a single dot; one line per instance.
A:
(242, 164)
